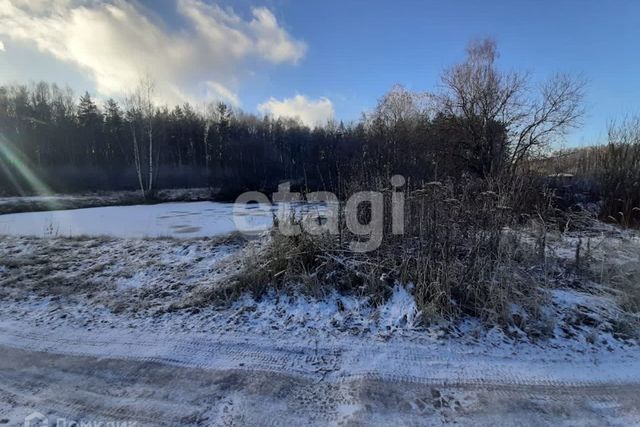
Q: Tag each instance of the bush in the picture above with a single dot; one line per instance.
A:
(459, 255)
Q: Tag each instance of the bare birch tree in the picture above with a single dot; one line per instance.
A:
(141, 108)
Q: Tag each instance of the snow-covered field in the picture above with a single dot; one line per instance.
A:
(105, 328)
(194, 219)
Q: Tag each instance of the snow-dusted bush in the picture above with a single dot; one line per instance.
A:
(458, 256)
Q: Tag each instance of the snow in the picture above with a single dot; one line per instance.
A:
(119, 310)
(400, 310)
(299, 314)
(180, 220)
(314, 338)
(335, 338)
(176, 219)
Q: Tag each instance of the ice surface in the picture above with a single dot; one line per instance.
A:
(195, 219)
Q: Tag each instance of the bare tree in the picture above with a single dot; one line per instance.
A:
(557, 110)
(399, 105)
(485, 97)
(393, 123)
(142, 111)
(210, 118)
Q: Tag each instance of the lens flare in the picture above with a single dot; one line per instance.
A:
(18, 171)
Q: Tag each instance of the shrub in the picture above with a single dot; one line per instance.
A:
(458, 255)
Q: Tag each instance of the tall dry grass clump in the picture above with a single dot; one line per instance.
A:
(458, 254)
(462, 254)
(620, 176)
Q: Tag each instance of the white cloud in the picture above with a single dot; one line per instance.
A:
(219, 92)
(272, 41)
(2, 49)
(116, 42)
(310, 112)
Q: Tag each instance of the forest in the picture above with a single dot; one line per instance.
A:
(485, 122)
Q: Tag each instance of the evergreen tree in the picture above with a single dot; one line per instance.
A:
(90, 122)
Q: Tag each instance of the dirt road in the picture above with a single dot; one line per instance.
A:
(266, 389)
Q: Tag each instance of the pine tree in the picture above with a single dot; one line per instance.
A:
(90, 122)
(114, 133)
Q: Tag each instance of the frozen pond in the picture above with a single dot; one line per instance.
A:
(186, 219)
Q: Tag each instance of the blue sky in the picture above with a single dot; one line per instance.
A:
(349, 52)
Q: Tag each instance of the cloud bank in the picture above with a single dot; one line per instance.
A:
(310, 112)
(115, 42)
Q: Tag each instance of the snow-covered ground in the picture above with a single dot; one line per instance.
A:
(354, 339)
(142, 283)
(115, 350)
(70, 303)
(193, 219)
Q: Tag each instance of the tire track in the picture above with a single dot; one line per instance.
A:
(341, 362)
(89, 388)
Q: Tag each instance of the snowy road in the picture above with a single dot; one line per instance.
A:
(100, 390)
(193, 379)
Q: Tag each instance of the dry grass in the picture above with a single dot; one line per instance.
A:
(606, 264)
(621, 181)
(124, 275)
(616, 265)
(610, 172)
(458, 255)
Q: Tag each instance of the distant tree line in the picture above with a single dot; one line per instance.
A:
(485, 122)
(610, 172)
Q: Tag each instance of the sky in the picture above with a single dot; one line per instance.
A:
(318, 59)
